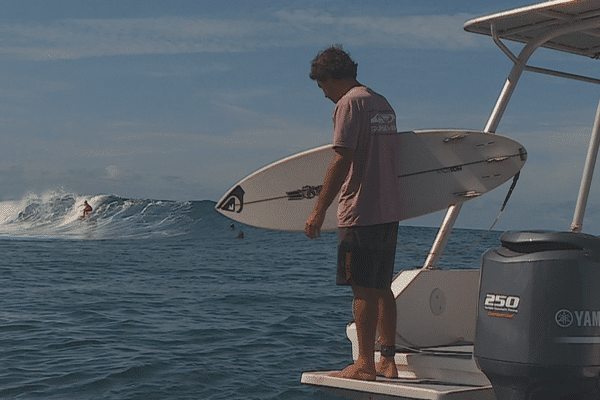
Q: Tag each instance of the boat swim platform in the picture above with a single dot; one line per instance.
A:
(445, 373)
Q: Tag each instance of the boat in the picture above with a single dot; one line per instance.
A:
(526, 323)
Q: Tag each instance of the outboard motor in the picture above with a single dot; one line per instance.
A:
(538, 316)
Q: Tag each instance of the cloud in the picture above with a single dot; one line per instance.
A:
(112, 172)
(171, 178)
(20, 88)
(428, 31)
(76, 38)
(181, 71)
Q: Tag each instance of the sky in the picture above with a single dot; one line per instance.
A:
(179, 100)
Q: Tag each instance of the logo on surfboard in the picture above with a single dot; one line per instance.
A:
(234, 202)
(307, 192)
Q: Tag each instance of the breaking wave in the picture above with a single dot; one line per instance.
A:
(58, 215)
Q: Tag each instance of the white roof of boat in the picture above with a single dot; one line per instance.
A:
(525, 23)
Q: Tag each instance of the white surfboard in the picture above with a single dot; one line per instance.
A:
(438, 168)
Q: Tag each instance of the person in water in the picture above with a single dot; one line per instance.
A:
(364, 171)
(86, 209)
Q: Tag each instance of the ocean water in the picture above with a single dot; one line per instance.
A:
(161, 300)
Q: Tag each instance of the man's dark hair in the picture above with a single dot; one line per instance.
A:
(332, 62)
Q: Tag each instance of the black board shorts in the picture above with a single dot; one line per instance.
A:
(366, 255)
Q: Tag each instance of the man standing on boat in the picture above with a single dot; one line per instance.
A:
(364, 170)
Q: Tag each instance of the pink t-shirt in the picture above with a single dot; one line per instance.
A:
(365, 123)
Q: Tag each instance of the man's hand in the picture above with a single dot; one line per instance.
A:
(336, 173)
(313, 225)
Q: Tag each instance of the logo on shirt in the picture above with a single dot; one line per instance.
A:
(382, 123)
(383, 118)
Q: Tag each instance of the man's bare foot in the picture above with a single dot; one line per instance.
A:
(387, 367)
(355, 372)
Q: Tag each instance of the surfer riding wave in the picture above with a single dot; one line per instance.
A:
(86, 209)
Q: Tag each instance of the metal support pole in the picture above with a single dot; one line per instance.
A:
(588, 172)
(519, 66)
(442, 237)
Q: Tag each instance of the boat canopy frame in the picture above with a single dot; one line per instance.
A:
(571, 26)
